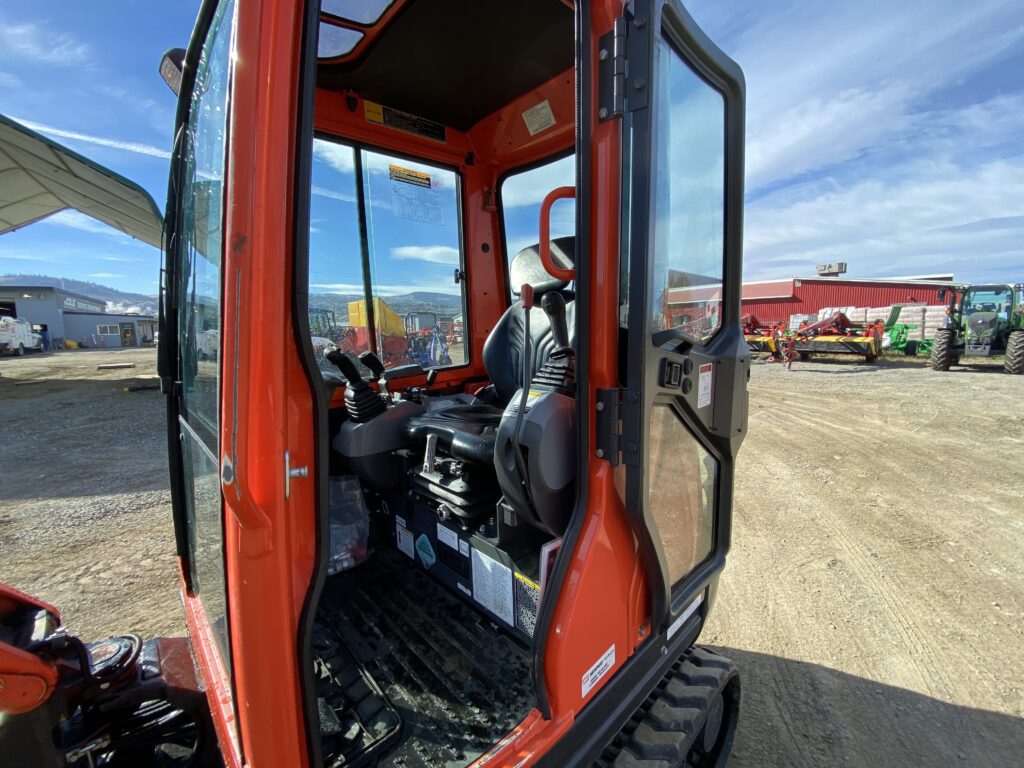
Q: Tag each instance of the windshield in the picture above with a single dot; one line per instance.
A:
(998, 300)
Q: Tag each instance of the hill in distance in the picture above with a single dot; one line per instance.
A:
(444, 305)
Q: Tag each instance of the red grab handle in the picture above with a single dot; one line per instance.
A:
(559, 193)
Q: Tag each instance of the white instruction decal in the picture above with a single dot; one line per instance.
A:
(399, 520)
(492, 586)
(447, 536)
(704, 381)
(539, 118)
(464, 547)
(685, 615)
(403, 537)
(601, 668)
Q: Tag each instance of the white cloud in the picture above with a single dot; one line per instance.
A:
(7, 80)
(41, 44)
(936, 218)
(437, 254)
(127, 146)
(531, 187)
(107, 275)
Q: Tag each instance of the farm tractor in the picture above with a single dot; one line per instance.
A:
(987, 320)
(506, 561)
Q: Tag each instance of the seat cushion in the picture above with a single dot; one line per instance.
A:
(466, 431)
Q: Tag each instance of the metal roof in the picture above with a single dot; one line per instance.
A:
(39, 177)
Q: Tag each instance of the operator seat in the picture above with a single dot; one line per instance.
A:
(469, 431)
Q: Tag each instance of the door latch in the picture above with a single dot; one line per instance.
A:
(291, 473)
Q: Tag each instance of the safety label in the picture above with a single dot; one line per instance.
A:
(492, 586)
(403, 538)
(447, 536)
(464, 547)
(416, 196)
(425, 551)
(378, 114)
(527, 604)
(601, 668)
(704, 381)
(539, 118)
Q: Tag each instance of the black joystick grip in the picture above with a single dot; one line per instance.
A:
(554, 307)
(345, 364)
(371, 361)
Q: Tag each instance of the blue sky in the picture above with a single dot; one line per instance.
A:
(889, 135)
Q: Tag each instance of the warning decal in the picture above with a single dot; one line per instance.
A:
(527, 603)
(403, 538)
(403, 121)
(409, 176)
(704, 381)
(492, 586)
(447, 536)
(601, 668)
(416, 196)
(539, 118)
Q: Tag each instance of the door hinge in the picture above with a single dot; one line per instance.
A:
(622, 68)
(617, 426)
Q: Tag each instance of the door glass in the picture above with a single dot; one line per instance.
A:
(199, 318)
(689, 201)
(681, 492)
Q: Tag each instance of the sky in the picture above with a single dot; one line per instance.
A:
(889, 135)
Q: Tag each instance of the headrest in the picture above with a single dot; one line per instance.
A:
(526, 267)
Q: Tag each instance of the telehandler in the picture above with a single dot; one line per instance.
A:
(504, 561)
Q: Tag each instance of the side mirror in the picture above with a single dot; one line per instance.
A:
(171, 66)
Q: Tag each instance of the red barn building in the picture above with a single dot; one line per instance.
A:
(773, 301)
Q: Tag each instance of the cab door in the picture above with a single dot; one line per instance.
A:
(190, 320)
(682, 408)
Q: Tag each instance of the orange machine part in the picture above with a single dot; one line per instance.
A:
(26, 681)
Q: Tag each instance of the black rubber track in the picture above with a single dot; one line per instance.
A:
(1014, 360)
(942, 350)
(667, 729)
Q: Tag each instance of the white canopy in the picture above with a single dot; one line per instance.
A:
(39, 177)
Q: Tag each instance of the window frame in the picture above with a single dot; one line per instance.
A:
(460, 198)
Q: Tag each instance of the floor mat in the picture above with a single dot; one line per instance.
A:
(457, 683)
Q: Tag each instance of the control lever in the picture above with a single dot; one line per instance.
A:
(431, 377)
(346, 366)
(553, 305)
(361, 402)
(371, 361)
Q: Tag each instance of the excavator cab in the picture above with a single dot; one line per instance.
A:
(500, 553)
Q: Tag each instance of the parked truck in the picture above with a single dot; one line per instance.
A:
(17, 337)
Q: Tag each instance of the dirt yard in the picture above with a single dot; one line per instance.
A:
(873, 598)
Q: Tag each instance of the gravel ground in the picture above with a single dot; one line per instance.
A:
(873, 597)
(85, 514)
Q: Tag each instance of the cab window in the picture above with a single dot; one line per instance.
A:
(521, 196)
(395, 292)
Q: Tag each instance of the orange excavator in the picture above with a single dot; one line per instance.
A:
(505, 560)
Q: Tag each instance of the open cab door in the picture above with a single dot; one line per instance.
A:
(683, 406)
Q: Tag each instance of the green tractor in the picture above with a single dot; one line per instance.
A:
(989, 320)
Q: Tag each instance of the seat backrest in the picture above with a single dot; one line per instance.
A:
(505, 346)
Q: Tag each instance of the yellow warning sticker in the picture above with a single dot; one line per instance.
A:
(409, 176)
(528, 582)
(398, 120)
